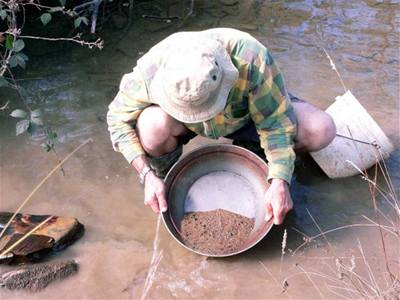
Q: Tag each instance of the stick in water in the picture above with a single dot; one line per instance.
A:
(24, 237)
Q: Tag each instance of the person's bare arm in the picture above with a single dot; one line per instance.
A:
(122, 116)
(279, 201)
(154, 187)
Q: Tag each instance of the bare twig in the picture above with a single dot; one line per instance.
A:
(99, 43)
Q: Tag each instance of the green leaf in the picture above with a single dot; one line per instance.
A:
(32, 128)
(37, 121)
(3, 14)
(18, 45)
(3, 81)
(85, 20)
(37, 113)
(62, 2)
(18, 59)
(22, 126)
(46, 147)
(23, 92)
(23, 56)
(9, 41)
(79, 20)
(19, 113)
(51, 135)
(45, 18)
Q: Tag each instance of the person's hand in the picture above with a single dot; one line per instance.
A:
(154, 193)
(278, 201)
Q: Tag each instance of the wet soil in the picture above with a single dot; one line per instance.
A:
(216, 232)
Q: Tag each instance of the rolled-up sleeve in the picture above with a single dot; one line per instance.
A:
(273, 115)
(123, 113)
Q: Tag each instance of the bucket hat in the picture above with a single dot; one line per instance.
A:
(193, 83)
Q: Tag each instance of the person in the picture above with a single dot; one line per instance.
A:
(217, 82)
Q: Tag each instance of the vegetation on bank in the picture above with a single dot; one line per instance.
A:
(16, 18)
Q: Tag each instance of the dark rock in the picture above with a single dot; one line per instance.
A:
(37, 277)
(55, 235)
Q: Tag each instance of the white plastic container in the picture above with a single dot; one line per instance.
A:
(359, 140)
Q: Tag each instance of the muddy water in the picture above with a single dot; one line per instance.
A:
(74, 86)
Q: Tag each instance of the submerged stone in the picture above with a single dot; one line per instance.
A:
(54, 235)
(37, 277)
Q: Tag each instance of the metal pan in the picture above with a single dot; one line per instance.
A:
(218, 176)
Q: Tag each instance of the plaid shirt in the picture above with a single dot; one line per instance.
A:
(259, 95)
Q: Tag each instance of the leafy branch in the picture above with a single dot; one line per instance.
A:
(12, 45)
(30, 122)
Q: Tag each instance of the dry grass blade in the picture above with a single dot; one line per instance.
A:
(388, 180)
(333, 66)
(41, 183)
(345, 285)
(283, 287)
(373, 187)
(310, 239)
(370, 273)
(332, 289)
(320, 230)
(24, 237)
(381, 190)
(387, 228)
(312, 281)
(315, 274)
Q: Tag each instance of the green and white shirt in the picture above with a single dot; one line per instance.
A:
(259, 95)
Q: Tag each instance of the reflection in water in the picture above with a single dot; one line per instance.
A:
(102, 191)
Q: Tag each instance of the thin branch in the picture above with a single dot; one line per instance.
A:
(24, 237)
(99, 43)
